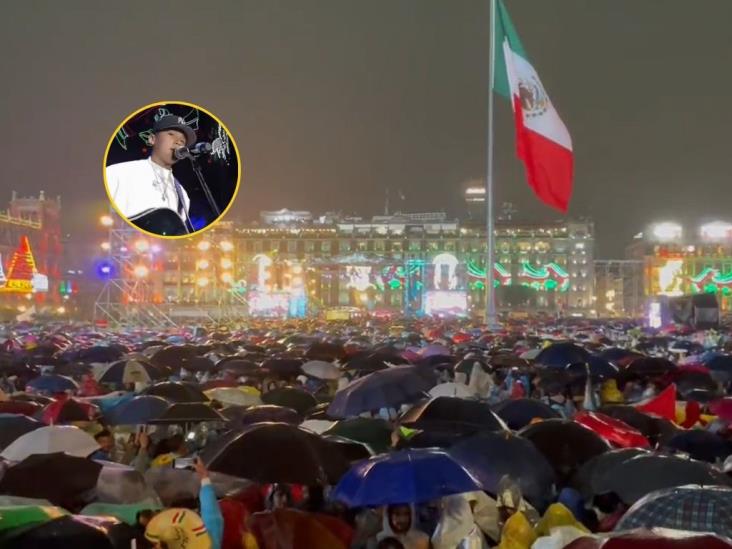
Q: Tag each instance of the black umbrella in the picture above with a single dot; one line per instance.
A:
(696, 384)
(198, 364)
(520, 412)
(188, 412)
(565, 444)
(648, 367)
(432, 439)
(276, 452)
(177, 391)
(559, 355)
(366, 362)
(701, 445)
(452, 413)
(173, 356)
(636, 477)
(41, 400)
(328, 352)
(598, 368)
(243, 416)
(13, 426)
(585, 479)
(100, 354)
(58, 477)
(489, 456)
(240, 367)
(290, 397)
(619, 357)
(283, 367)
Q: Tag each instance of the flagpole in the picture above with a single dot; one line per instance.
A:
(490, 291)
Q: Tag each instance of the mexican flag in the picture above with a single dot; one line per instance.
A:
(542, 140)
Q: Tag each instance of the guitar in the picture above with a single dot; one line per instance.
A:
(161, 221)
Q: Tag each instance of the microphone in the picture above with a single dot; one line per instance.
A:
(196, 150)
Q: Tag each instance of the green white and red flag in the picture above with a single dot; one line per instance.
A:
(542, 140)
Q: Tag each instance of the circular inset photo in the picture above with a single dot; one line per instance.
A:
(172, 169)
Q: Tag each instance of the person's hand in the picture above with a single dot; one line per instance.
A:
(200, 468)
(142, 440)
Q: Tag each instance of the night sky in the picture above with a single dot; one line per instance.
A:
(333, 101)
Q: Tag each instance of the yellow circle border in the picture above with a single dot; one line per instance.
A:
(109, 146)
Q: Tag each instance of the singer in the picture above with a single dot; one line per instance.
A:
(145, 191)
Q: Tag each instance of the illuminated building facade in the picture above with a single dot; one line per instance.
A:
(419, 263)
(678, 261)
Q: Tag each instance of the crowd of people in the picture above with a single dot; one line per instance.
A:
(408, 433)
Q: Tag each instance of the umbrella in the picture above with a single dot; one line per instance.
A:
(701, 445)
(490, 456)
(619, 357)
(52, 383)
(290, 397)
(636, 477)
(126, 512)
(242, 416)
(60, 533)
(689, 383)
(264, 452)
(372, 431)
(120, 484)
(188, 412)
(612, 430)
(406, 476)
(198, 364)
(565, 444)
(655, 539)
(649, 367)
(13, 426)
(653, 428)
(100, 353)
(239, 367)
(321, 370)
(25, 408)
(173, 356)
(383, 389)
(129, 371)
(450, 413)
(586, 477)
(722, 408)
(32, 398)
(325, 352)
(282, 367)
(432, 439)
(369, 362)
(598, 367)
(51, 439)
(235, 396)
(302, 529)
(57, 477)
(137, 411)
(559, 355)
(520, 412)
(692, 508)
(176, 391)
(15, 516)
(66, 410)
(451, 389)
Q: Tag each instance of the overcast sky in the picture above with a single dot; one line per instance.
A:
(333, 101)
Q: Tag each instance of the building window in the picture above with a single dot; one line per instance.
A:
(450, 246)
(415, 246)
(433, 246)
(379, 245)
(309, 246)
(362, 245)
(292, 246)
(344, 246)
(325, 246)
(397, 247)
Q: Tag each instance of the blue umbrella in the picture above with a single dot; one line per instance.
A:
(388, 388)
(407, 476)
(52, 383)
(139, 410)
(559, 355)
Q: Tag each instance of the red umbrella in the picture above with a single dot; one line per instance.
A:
(612, 430)
(65, 410)
(461, 337)
(644, 539)
(19, 407)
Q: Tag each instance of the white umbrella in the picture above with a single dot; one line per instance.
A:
(234, 397)
(48, 440)
(318, 426)
(450, 389)
(531, 354)
(321, 370)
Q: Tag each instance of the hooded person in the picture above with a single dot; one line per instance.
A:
(399, 523)
(464, 519)
(558, 528)
(178, 529)
(517, 533)
(510, 500)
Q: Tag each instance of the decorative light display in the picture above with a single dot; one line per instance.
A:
(359, 277)
(3, 280)
(446, 303)
(264, 263)
(140, 271)
(670, 278)
(22, 272)
(203, 245)
(549, 278)
(202, 264)
(226, 246)
(226, 263)
(712, 281)
(449, 261)
(502, 277)
(220, 144)
(667, 231)
(269, 304)
(655, 319)
(142, 245)
(716, 230)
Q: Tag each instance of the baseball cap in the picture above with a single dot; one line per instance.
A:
(173, 122)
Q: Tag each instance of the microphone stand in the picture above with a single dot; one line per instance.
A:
(202, 181)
